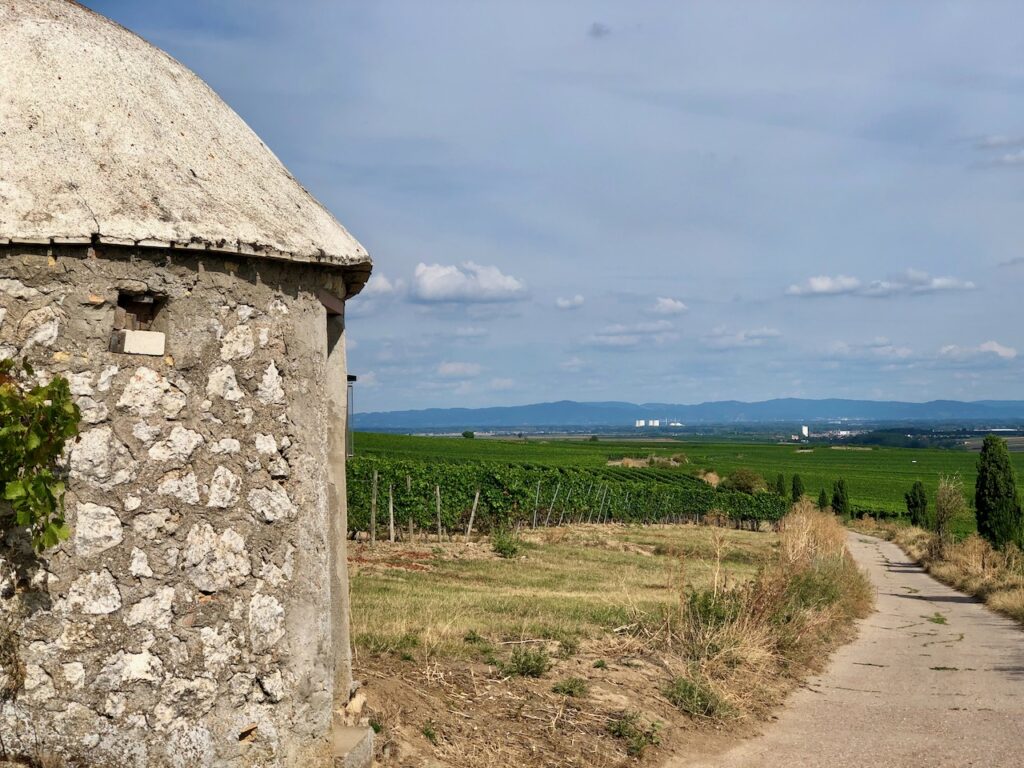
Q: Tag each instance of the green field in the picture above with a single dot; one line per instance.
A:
(877, 477)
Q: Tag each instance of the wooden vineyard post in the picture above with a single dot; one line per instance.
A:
(373, 511)
(551, 506)
(410, 529)
(391, 514)
(472, 514)
(437, 492)
(536, 504)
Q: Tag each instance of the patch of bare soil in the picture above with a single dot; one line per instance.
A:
(414, 556)
(463, 714)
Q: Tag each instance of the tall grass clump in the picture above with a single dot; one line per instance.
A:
(738, 648)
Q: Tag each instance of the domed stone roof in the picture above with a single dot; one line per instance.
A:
(105, 138)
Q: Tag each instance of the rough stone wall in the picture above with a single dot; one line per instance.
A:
(186, 622)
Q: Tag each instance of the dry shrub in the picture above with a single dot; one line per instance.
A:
(738, 645)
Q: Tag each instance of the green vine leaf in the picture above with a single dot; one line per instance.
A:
(37, 423)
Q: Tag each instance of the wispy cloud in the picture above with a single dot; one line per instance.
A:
(989, 349)
(668, 306)
(454, 370)
(911, 282)
(598, 30)
(1016, 261)
(572, 302)
(633, 335)
(722, 338)
(464, 283)
(880, 348)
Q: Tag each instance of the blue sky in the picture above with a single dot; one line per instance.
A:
(648, 201)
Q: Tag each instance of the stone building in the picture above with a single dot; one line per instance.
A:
(158, 255)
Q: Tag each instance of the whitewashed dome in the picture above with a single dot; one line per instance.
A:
(105, 138)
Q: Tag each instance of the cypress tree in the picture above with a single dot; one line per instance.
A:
(840, 498)
(780, 485)
(798, 488)
(822, 499)
(917, 504)
(995, 495)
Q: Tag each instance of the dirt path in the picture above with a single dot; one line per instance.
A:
(933, 679)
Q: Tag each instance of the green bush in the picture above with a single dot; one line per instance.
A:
(629, 727)
(571, 686)
(505, 543)
(744, 480)
(526, 662)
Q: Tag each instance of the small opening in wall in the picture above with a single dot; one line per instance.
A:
(137, 324)
(137, 311)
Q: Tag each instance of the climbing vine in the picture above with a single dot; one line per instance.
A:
(35, 424)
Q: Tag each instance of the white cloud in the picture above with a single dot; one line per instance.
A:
(999, 142)
(619, 335)
(368, 379)
(983, 350)
(910, 282)
(470, 332)
(721, 338)
(915, 281)
(574, 302)
(667, 306)
(500, 385)
(1007, 353)
(878, 348)
(449, 370)
(465, 283)
(823, 285)
(380, 285)
(572, 364)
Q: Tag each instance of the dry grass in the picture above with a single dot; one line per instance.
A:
(569, 584)
(971, 565)
(667, 626)
(744, 644)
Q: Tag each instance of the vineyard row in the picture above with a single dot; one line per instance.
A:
(513, 495)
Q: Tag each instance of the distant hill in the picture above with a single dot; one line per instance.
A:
(568, 413)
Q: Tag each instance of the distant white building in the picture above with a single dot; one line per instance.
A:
(655, 423)
(805, 431)
(641, 423)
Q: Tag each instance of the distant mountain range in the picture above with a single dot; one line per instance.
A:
(568, 413)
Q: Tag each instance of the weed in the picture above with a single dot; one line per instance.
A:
(505, 543)
(630, 727)
(571, 686)
(695, 698)
(473, 637)
(526, 662)
(430, 732)
(937, 618)
(600, 664)
(376, 724)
